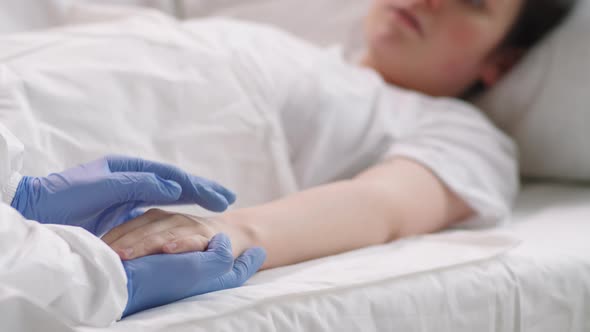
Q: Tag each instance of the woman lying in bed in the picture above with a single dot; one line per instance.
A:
(397, 162)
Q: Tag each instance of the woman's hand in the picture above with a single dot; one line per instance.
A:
(158, 231)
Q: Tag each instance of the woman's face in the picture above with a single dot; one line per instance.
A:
(439, 47)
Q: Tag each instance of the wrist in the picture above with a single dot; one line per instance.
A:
(242, 234)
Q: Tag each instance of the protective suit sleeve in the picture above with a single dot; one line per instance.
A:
(63, 270)
(22, 313)
(11, 160)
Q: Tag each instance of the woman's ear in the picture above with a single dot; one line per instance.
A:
(499, 64)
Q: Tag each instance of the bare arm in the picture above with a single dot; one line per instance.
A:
(392, 200)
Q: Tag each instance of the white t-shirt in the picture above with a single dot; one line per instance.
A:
(242, 103)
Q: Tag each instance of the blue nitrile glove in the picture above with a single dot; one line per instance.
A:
(161, 279)
(106, 192)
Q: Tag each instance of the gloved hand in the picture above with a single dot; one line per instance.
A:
(104, 193)
(161, 279)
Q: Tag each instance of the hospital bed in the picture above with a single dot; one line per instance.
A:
(533, 275)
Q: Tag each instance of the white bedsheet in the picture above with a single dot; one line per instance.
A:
(455, 281)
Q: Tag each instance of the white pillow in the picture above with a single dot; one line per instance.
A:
(544, 103)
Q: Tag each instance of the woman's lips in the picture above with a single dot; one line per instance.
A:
(408, 19)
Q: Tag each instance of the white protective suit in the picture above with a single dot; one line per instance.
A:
(51, 277)
(251, 107)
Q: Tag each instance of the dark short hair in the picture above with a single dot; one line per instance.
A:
(536, 19)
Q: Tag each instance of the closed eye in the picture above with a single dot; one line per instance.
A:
(480, 4)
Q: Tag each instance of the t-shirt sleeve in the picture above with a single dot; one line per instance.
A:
(465, 150)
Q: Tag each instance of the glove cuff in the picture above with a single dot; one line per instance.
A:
(9, 190)
(130, 308)
(20, 201)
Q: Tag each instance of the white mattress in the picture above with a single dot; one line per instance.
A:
(478, 281)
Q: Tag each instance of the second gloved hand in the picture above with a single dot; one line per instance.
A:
(161, 279)
(104, 193)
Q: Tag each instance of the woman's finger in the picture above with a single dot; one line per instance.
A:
(138, 234)
(154, 244)
(194, 242)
